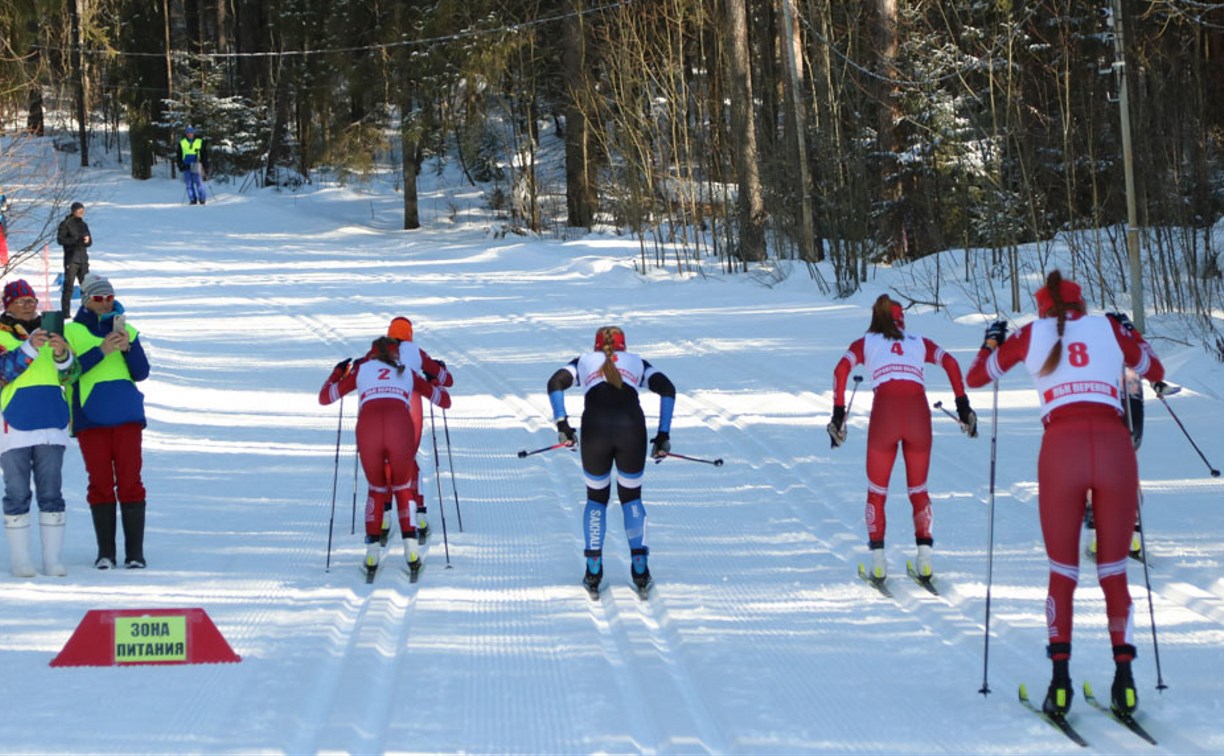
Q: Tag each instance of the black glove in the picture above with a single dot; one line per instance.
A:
(966, 415)
(837, 427)
(660, 445)
(440, 363)
(1121, 319)
(566, 434)
(341, 368)
(1160, 387)
(996, 332)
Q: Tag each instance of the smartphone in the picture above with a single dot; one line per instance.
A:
(53, 322)
(120, 323)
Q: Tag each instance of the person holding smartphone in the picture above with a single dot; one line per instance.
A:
(108, 419)
(35, 431)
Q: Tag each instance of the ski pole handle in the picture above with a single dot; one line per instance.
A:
(946, 411)
(857, 380)
(715, 462)
(524, 453)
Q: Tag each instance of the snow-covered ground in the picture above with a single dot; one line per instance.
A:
(759, 637)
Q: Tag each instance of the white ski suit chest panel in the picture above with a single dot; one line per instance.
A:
(378, 380)
(1090, 367)
(588, 369)
(892, 360)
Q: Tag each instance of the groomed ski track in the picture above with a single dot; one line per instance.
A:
(758, 636)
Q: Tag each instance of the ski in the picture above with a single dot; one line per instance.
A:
(422, 535)
(414, 573)
(369, 572)
(1058, 720)
(880, 584)
(926, 581)
(592, 592)
(1126, 720)
(643, 591)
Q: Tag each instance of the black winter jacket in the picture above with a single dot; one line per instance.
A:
(71, 234)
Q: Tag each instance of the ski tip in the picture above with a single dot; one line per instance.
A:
(862, 571)
(1023, 692)
(1088, 690)
(909, 567)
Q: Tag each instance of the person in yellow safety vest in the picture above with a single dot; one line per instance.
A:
(193, 162)
(108, 419)
(35, 431)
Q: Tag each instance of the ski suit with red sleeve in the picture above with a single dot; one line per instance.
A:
(899, 415)
(418, 360)
(387, 436)
(1086, 448)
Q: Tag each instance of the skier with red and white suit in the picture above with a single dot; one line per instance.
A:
(436, 372)
(385, 381)
(894, 360)
(1076, 361)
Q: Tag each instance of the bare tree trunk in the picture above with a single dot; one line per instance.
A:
(751, 206)
(580, 196)
(78, 77)
(796, 127)
(888, 42)
(411, 164)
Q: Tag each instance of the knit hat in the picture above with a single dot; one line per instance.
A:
(400, 329)
(76, 206)
(15, 290)
(189, 130)
(1069, 292)
(95, 285)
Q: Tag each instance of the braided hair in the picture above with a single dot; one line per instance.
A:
(386, 350)
(607, 339)
(1058, 308)
(882, 320)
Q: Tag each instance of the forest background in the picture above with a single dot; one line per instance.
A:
(738, 130)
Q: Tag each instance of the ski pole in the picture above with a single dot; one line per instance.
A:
(857, 380)
(946, 411)
(524, 453)
(1214, 472)
(994, 443)
(331, 521)
(1147, 580)
(451, 460)
(353, 524)
(438, 476)
(715, 462)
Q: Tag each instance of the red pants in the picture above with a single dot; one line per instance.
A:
(1086, 448)
(112, 461)
(899, 415)
(385, 437)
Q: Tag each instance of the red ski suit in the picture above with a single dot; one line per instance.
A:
(1086, 448)
(387, 437)
(899, 415)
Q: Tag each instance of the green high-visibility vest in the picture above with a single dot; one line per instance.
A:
(41, 372)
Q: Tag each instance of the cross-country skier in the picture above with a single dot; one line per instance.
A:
(613, 433)
(385, 381)
(1076, 362)
(435, 372)
(893, 359)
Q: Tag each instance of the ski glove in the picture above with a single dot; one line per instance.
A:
(966, 415)
(660, 445)
(566, 434)
(996, 332)
(1123, 321)
(837, 427)
(341, 369)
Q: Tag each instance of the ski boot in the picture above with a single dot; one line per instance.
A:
(879, 567)
(922, 564)
(412, 556)
(1123, 699)
(1136, 545)
(371, 560)
(422, 527)
(1058, 698)
(386, 524)
(593, 576)
(641, 572)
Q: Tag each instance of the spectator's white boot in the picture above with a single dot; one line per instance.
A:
(51, 527)
(17, 528)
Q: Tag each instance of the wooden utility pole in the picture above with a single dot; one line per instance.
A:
(1132, 212)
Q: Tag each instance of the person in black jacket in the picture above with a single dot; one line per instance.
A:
(75, 238)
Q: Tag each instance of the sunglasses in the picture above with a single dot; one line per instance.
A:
(103, 297)
(25, 302)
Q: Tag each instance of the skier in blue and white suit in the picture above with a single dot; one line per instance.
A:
(613, 431)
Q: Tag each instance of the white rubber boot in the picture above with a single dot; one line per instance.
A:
(51, 527)
(17, 528)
